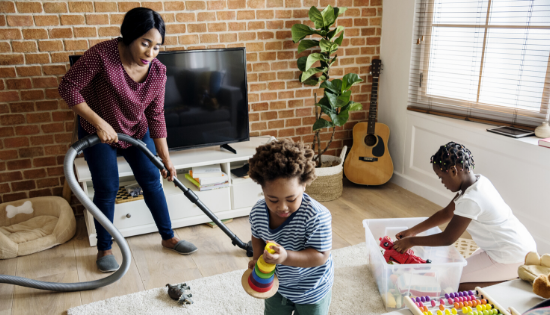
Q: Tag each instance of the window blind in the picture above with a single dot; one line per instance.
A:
(482, 60)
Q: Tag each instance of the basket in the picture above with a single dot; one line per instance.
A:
(465, 246)
(329, 182)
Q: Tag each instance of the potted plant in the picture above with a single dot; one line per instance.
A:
(333, 108)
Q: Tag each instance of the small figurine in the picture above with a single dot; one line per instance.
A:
(392, 255)
(177, 292)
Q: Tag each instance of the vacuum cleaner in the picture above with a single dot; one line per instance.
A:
(75, 150)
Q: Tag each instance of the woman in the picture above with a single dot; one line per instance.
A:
(117, 86)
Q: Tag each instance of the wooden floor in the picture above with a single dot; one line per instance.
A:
(152, 266)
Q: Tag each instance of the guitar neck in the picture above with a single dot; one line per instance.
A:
(372, 108)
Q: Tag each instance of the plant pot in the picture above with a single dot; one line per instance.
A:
(329, 182)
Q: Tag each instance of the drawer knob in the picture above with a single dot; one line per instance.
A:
(128, 215)
(261, 194)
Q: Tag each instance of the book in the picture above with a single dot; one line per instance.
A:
(544, 142)
(206, 171)
(210, 179)
(206, 187)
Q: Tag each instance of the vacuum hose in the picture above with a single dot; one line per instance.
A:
(73, 151)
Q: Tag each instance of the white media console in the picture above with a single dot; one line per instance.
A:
(134, 218)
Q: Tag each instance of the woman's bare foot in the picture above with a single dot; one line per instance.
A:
(103, 253)
(170, 243)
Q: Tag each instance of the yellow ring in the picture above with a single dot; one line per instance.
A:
(269, 249)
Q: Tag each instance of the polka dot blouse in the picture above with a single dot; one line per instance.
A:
(99, 79)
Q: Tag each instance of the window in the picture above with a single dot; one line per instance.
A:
(484, 60)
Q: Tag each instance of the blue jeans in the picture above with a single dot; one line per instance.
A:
(103, 166)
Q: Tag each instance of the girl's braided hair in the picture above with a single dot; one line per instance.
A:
(453, 154)
(282, 158)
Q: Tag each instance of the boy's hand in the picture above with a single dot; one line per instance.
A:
(402, 245)
(278, 257)
(252, 263)
(404, 234)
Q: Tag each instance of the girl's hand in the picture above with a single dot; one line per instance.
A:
(404, 234)
(278, 257)
(252, 263)
(170, 167)
(106, 133)
(403, 245)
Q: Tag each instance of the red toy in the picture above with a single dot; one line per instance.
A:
(407, 257)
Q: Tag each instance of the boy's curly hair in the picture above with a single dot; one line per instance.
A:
(282, 158)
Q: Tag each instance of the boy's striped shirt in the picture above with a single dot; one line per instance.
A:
(308, 227)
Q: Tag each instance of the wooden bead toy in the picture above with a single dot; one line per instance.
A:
(458, 303)
(261, 281)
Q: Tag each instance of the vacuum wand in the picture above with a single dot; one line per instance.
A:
(189, 194)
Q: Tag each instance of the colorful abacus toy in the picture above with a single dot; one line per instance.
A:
(466, 303)
(261, 281)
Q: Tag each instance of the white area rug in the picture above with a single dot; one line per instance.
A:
(354, 292)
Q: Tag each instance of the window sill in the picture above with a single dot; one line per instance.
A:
(476, 127)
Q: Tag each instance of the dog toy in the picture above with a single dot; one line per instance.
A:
(12, 211)
(261, 282)
(536, 270)
(177, 292)
(408, 257)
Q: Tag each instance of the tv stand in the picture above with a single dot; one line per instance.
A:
(228, 148)
(134, 218)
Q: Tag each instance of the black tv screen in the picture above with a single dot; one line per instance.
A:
(206, 100)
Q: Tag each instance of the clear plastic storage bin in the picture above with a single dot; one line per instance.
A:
(396, 281)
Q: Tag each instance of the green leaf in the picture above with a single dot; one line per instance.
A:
(333, 60)
(335, 31)
(338, 41)
(350, 79)
(328, 16)
(307, 44)
(311, 81)
(338, 11)
(299, 31)
(332, 98)
(334, 86)
(308, 73)
(316, 17)
(343, 99)
(301, 63)
(312, 58)
(324, 102)
(341, 118)
(321, 123)
(325, 45)
(355, 106)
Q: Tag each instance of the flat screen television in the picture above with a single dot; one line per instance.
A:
(206, 99)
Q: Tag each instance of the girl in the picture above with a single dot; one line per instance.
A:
(299, 225)
(478, 208)
(117, 86)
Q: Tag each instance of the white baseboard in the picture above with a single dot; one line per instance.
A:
(420, 189)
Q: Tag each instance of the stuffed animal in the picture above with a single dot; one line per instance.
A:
(536, 270)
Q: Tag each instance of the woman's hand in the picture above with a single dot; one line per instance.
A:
(278, 257)
(170, 167)
(402, 245)
(106, 133)
(404, 234)
(252, 263)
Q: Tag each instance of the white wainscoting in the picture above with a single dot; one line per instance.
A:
(519, 170)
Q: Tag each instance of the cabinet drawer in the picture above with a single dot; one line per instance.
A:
(216, 200)
(132, 214)
(245, 194)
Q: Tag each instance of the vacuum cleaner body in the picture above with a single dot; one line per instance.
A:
(70, 177)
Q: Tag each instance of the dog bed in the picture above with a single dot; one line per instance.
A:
(31, 225)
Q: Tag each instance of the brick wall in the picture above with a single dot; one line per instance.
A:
(36, 38)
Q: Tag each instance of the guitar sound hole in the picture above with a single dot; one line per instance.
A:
(370, 140)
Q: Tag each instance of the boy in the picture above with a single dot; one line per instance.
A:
(299, 225)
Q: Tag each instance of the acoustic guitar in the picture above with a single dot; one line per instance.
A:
(369, 161)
